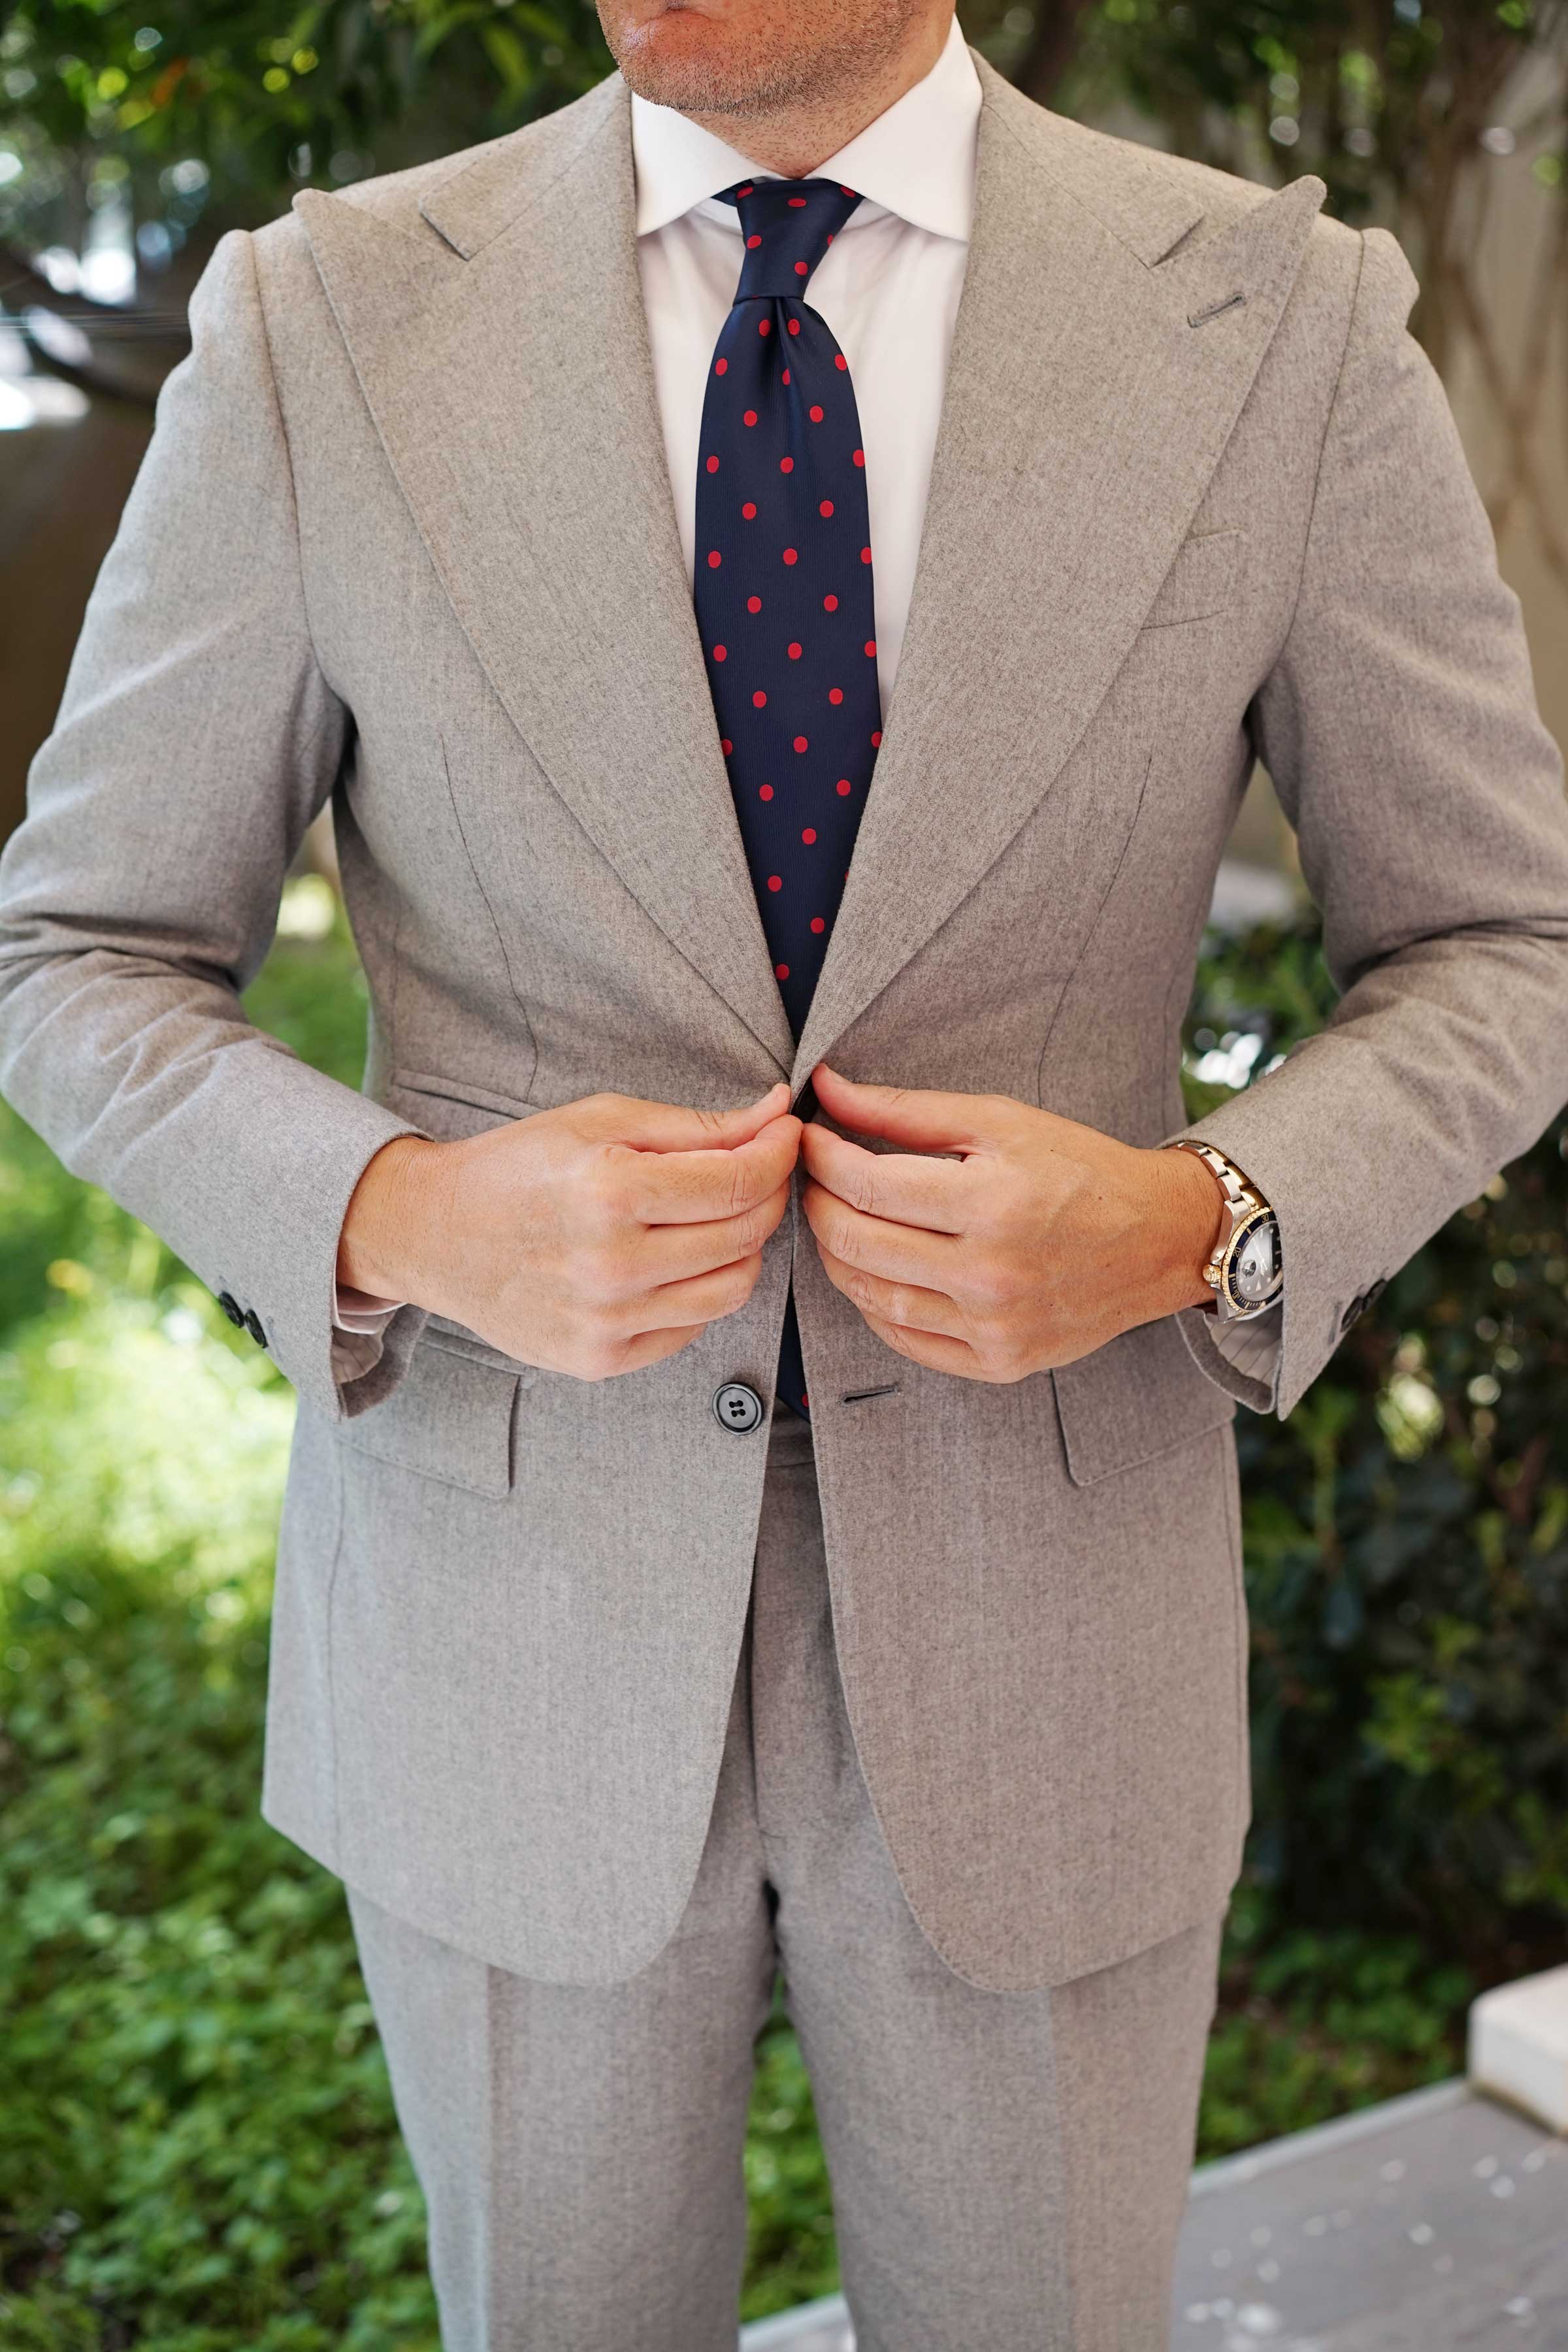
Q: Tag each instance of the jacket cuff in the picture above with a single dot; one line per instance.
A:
(1275, 1135)
(276, 1272)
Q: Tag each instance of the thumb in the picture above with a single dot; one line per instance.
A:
(672, 1127)
(918, 1117)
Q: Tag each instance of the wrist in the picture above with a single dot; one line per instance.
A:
(383, 1246)
(1190, 1220)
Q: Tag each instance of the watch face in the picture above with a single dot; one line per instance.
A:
(1256, 1262)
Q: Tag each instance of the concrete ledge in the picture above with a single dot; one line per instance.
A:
(1519, 2046)
(816, 2327)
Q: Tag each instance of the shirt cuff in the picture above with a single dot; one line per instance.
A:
(361, 1311)
(1253, 1345)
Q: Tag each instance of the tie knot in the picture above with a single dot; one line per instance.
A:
(788, 225)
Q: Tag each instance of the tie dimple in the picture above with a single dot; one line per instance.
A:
(783, 592)
(788, 225)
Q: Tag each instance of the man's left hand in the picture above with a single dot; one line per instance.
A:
(1036, 1241)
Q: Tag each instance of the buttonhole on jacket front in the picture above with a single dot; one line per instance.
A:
(858, 1396)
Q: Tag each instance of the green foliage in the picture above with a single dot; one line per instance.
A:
(246, 102)
(1370, 100)
(197, 2147)
(1314, 2022)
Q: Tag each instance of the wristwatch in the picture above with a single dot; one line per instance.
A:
(1244, 1270)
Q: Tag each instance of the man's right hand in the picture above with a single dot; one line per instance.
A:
(591, 1239)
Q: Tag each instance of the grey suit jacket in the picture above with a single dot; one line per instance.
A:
(404, 537)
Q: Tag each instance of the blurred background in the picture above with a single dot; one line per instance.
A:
(196, 2143)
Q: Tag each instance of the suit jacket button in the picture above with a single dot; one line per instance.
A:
(230, 1307)
(736, 1406)
(253, 1325)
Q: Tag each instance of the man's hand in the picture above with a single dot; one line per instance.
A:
(591, 1239)
(1038, 1242)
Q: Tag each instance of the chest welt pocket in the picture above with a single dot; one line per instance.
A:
(1205, 579)
(1136, 1398)
(451, 1418)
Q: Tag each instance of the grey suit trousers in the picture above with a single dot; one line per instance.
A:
(1008, 2168)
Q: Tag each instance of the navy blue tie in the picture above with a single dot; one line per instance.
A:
(784, 596)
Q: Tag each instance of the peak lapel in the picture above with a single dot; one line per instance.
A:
(1083, 417)
(508, 372)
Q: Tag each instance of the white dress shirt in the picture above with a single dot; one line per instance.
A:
(889, 288)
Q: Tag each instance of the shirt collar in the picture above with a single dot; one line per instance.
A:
(917, 159)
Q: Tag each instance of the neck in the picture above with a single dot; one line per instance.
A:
(794, 140)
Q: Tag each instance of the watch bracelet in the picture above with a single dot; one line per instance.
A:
(1246, 1205)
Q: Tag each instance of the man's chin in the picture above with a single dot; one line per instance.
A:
(685, 60)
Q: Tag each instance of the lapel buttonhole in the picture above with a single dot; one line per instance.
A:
(1202, 318)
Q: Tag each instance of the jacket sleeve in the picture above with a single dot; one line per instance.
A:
(1399, 725)
(196, 739)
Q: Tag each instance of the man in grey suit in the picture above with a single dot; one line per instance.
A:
(764, 1497)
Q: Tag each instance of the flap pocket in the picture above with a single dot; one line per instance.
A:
(1135, 1398)
(1202, 580)
(449, 1418)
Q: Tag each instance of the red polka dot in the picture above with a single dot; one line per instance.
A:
(714, 559)
(830, 237)
(781, 972)
(759, 700)
(752, 243)
(800, 743)
(830, 603)
(749, 190)
(789, 555)
(803, 270)
(814, 415)
(753, 604)
(842, 189)
(843, 788)
(765, 326)
(786, 465)
(865, 555)
(721, 653)
(809, 836)
(795, 326)
(817, 924)
(765, 792)
(721, 367)
(713, 465)
(725, 745)
(749, 511)
(826, 509)
(835, 694)
(871, 649)
(877, 740)
(795, 652)
(776, 881)
(859, 456)
(748, 417)
(795, 203)
(784, 378)
(839, 361)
